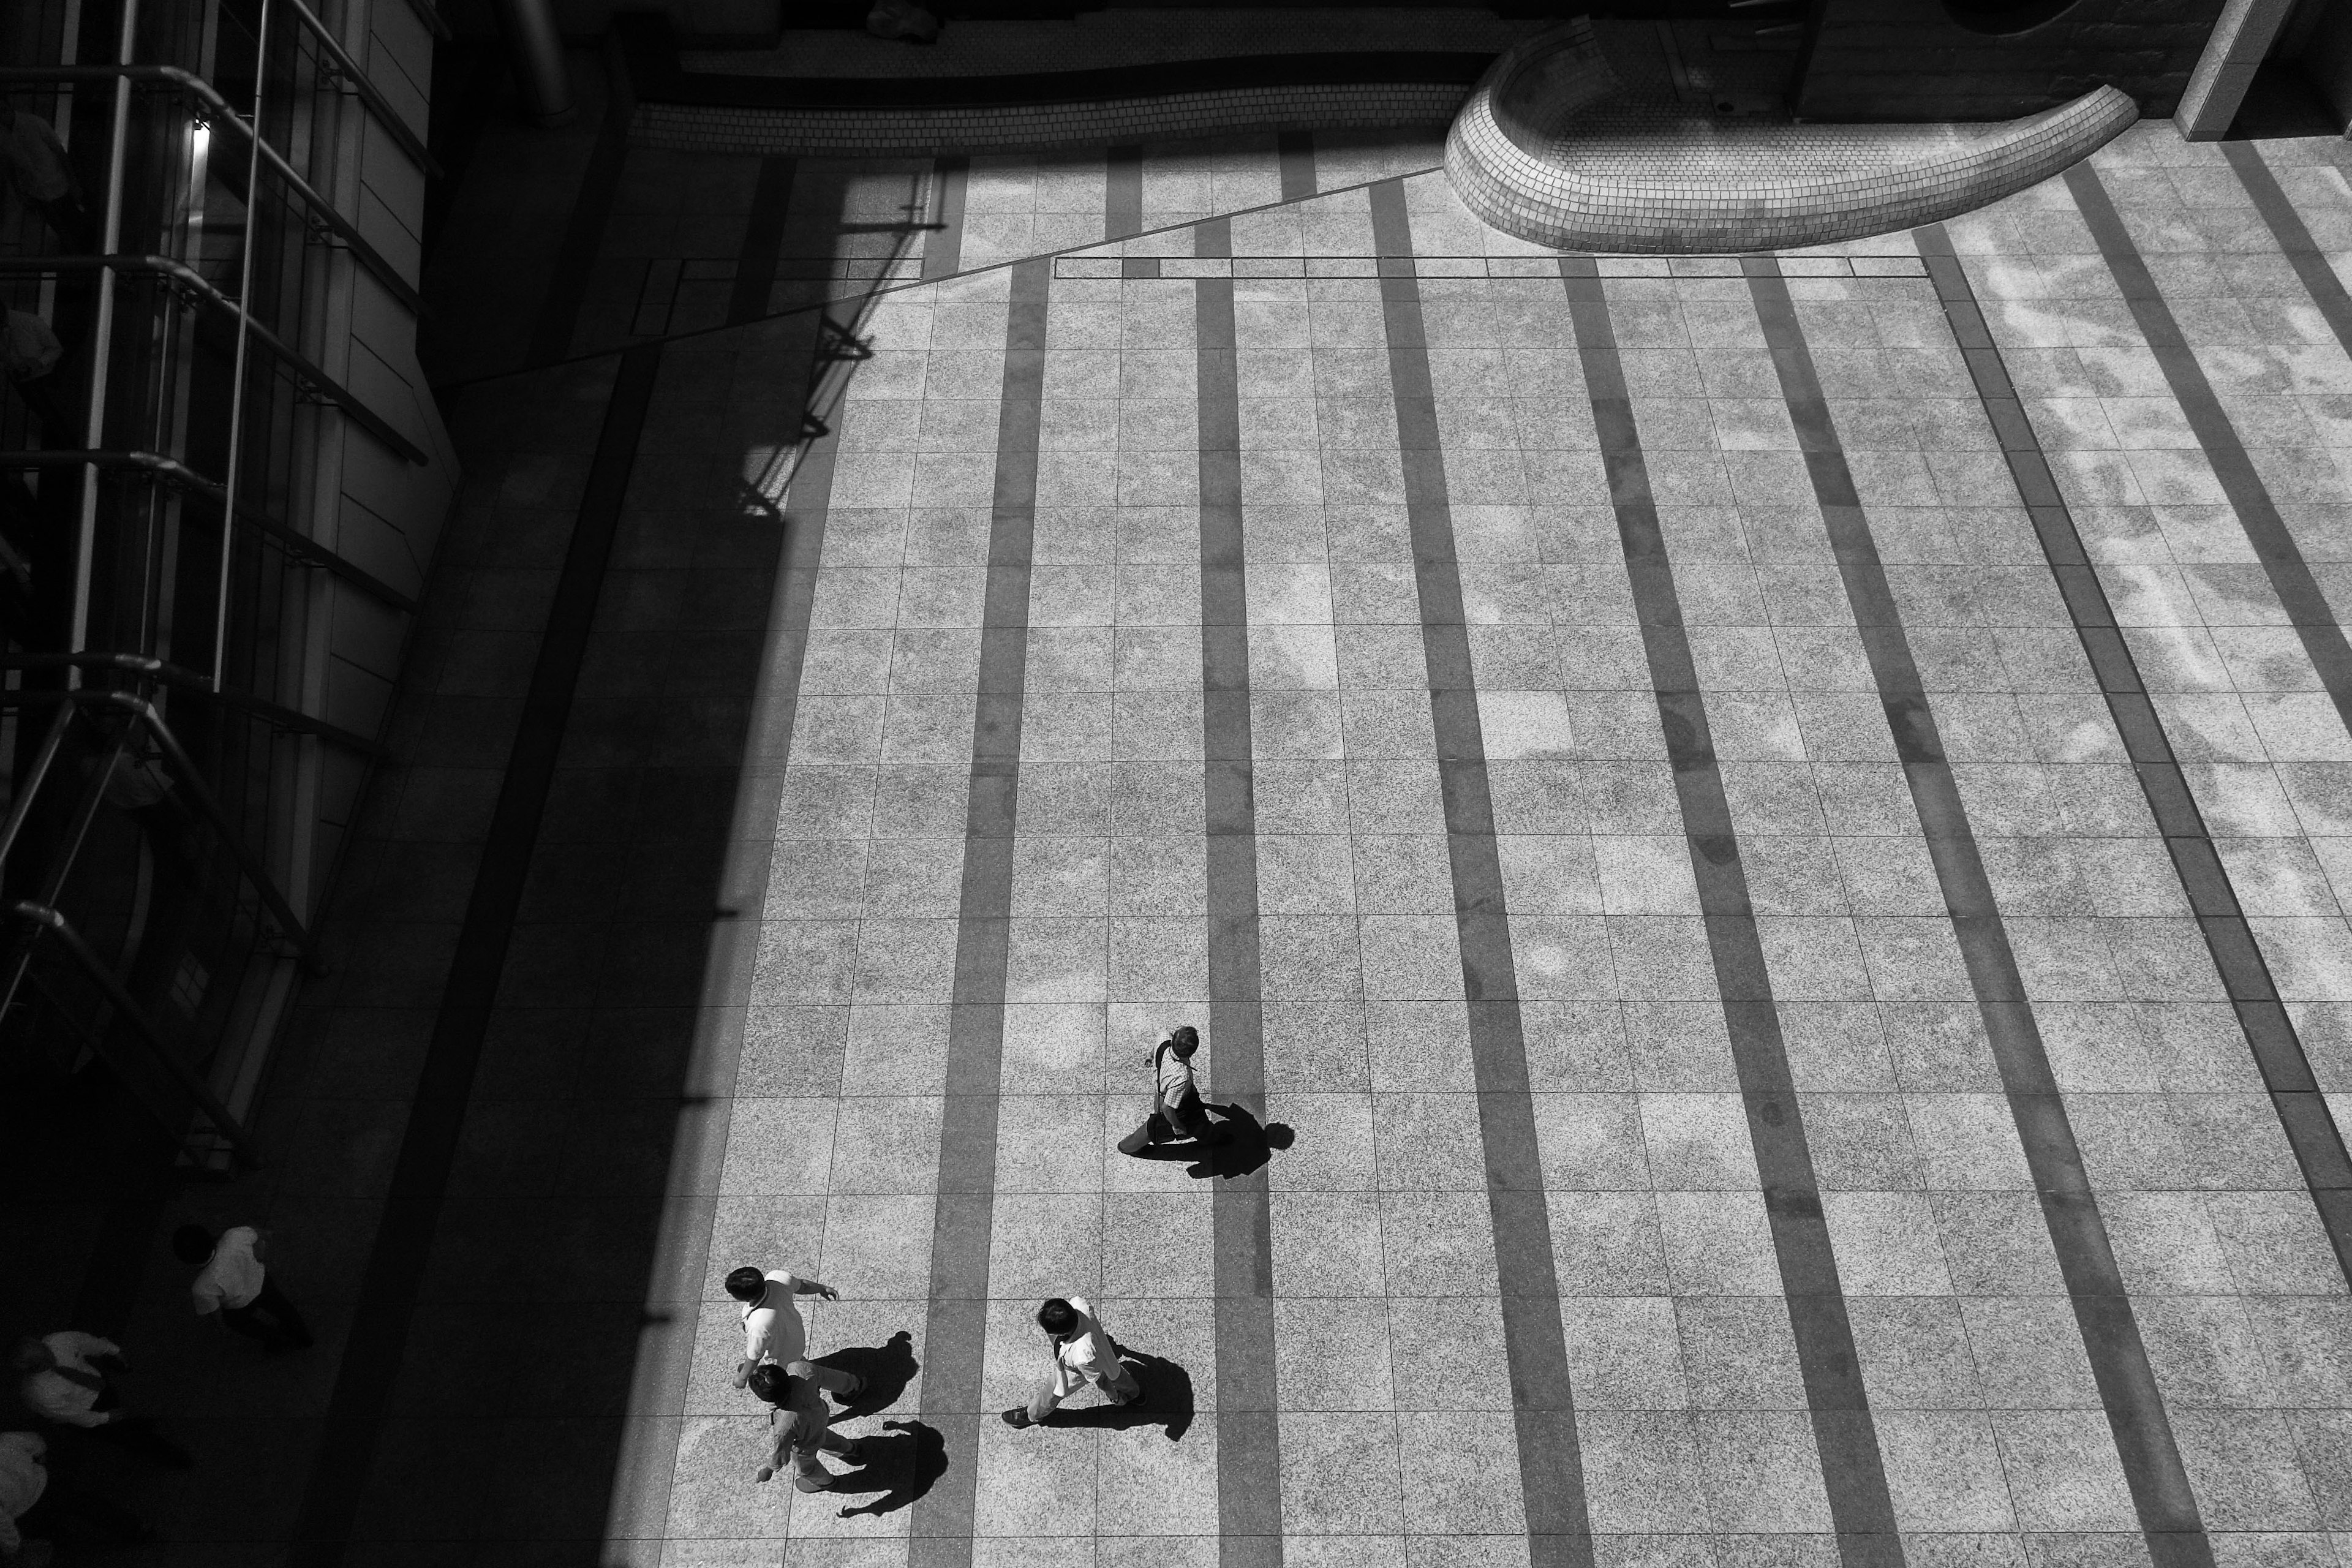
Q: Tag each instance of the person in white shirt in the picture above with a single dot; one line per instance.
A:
(233, 1281)
(68, 1377)
(1083, 1352)
(1176, 1109)
(23, 1479)
(774, 1334)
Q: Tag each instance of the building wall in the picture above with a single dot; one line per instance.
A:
(1909, 60)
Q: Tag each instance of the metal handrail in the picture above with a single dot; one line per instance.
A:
(378, 105)
(193, 284)
(289, 924)
(195, 683)
(20, 808)
(48, 919)
(173, 472)
(219, 112)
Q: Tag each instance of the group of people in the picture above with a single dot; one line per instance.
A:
(775, 1366)
(71, 1383)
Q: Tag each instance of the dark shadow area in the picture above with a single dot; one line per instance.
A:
(899, 1469)
(1166, 1400)
(887, 1369)
(2282, 100)
(1243, 1151)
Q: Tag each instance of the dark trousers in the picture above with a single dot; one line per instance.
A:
(1172, 1122)
(270, 1318)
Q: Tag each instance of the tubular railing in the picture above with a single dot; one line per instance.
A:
(159, 557)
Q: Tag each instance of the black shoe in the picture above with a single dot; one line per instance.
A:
(1018, 1416)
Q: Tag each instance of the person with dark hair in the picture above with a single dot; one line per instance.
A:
(774, 1334)
(1083, 1352)
(68, 1378)
(232, 1280)
(1176, 1110)
(799, 1428)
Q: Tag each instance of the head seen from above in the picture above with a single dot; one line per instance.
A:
(1185, 1041)
(192, 1244)
(772, 1384)
(1058, 1318)
(747, 1283)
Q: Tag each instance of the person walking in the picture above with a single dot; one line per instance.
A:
(799, 1428)
(1176, 1110)
(68, 1378)
(233, 1281)
(1083, 1352)
(773, 1333)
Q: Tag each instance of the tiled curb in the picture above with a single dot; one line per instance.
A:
(1470, 266)
(1646, 178)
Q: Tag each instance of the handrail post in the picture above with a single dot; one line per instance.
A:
(102, 334)
(244, 347)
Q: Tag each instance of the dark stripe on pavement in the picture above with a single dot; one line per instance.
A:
(2166, 1506)
(2290, 575)
(2270, 1032)
(1853, 1473)
(387, 1291)
(1296, 152)
(944, 245)
(1249, 1438)
(1551, 1466)
(764, 241)
(955, 1332)
(1123, 192)
(583, 232)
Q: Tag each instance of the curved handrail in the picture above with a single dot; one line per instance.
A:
(1511, 157)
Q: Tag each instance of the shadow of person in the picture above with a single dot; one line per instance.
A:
(900, 1468)
(1166, 1401)
(1245, 1147)
(887, 1369)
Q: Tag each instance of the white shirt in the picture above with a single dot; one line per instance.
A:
(61, 1399)
(1175, 1073)
(232, 1275)
(1085, 1356)
(773, 1330)
(22, 1479)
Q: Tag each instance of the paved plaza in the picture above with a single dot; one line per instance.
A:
(1762, 845)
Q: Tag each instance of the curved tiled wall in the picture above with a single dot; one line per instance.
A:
(1530, 154)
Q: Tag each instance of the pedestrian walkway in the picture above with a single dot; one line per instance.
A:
(1773, 831)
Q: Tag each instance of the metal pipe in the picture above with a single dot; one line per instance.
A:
(187, 680)
(102, 336)
(243, 340)
(227, 1125)
(538, 52)
(21, 807)
(171, 471)
(289, 924)
(191, 282)
(223, 115)
(378, 105)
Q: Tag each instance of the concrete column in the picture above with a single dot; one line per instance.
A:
(2241, 40)
(538, 52)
